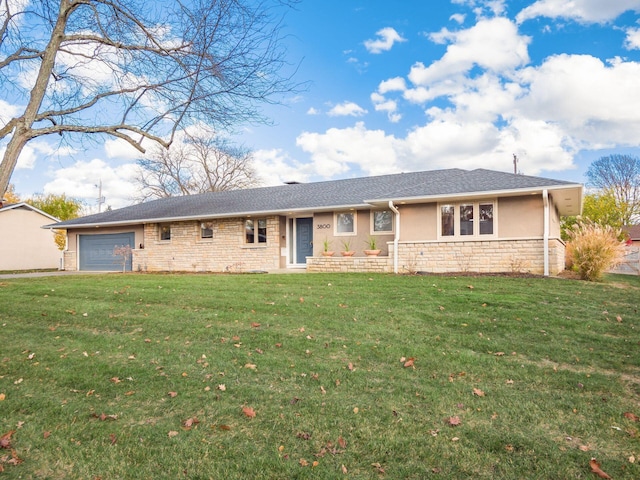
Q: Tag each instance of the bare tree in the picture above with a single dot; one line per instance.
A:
(134, 69)
(619, 175)
(201, 163)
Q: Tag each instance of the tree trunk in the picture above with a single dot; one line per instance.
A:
(22, 130)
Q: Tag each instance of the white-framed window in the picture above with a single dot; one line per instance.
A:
(381, 222)
(345, 223)
(466, 219)
(206, 230)
(165, 232)
(255, 230)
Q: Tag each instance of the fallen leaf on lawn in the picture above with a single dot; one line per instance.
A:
(225, 427)
(249, 412)
(172, 433)
(584, 448)
(455, 439)
(173, 394)
(356, 410)
(344, 469)
(103, 417)
(618, 318)
(303, 462)
(115, 380)
(632, 459)
(113, 438)
(632, 416)
(323, 390)
(478, 392)
(508, 448)
(304, 435)
(315, 464)
(255, 324)
(222, 387)
(350, 366)
(2, 397)
(301, 299)
(595, 468)
(378, 467)
(509, 382)
(129, 393)
(470, 287)
(190, 422)
(409, 362)
(46, 435)
(251, 366)
(5, 440)
(454, 421)
(499, 354)
(342, 442)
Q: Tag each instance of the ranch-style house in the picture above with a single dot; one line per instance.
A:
(439, 221)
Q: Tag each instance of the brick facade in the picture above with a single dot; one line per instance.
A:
(225, 252)
(516, 256)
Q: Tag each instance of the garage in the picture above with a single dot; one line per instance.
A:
(96, 251)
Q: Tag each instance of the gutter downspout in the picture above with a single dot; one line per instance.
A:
(545, 201)
(396, 237)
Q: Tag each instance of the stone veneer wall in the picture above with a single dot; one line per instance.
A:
(521, 256)
(226, 251)
(69, 260)
(350, 264)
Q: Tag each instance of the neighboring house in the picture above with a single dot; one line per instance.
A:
(24, 244)
(437, 221)
(634, 235)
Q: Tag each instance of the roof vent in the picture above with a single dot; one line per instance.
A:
(292, 182)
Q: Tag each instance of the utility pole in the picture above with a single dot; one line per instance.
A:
(101, 199)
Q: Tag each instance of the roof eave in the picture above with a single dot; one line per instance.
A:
(567, 206)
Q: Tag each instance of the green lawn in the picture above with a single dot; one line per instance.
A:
(318, 376)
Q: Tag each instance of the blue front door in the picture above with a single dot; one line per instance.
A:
(304, 239)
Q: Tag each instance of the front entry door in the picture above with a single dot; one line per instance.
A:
(304, 239)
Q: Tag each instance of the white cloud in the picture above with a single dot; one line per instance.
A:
(336, 151)
(458, 18)
(632, 42)
(387, 37)
(275, 167)
(492, 44)
(382, 104)
(81, 179)
(347, 109)
(118, 148)
(312, 111)
(583, 11)
(393, 84)
(595, 103)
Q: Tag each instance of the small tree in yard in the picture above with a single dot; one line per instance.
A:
(123, 254)
(593, 249)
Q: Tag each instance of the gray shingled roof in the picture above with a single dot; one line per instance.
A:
(317, 196)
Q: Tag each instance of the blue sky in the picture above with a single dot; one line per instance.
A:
(420, 85)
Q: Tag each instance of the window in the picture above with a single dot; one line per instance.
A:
(206, 230)
(255, 230)
(486, 219)
(165, 232)
(382, 222)
(467, 219)
(447, 227)
(345, 224)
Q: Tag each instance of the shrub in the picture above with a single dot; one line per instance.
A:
(593, 248)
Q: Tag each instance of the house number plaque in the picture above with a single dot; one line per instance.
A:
(323, 226)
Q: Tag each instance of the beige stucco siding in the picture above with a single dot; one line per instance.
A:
(24, 244)
(324, 228)
(419, 222)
